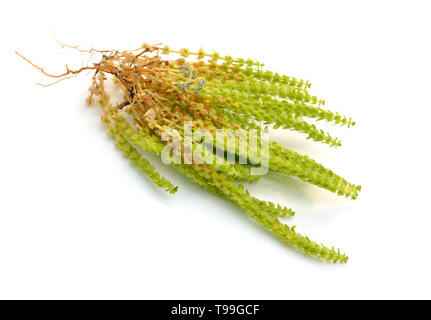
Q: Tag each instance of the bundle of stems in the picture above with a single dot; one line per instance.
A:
(165, 90)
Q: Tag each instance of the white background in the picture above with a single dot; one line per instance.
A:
(78, 221)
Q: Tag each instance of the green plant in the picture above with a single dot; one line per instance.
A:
(215, 92)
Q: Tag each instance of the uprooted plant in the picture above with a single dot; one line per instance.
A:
(215, 93)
